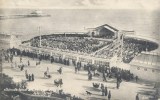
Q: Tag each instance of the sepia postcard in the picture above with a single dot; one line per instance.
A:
(79, 50)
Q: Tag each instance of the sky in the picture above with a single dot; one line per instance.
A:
(87, 18)
(82, 4)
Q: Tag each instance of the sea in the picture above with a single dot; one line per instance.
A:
(145, 23)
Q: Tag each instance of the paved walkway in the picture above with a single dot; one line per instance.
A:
(76, 84)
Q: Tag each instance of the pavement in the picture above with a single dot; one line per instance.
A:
(76, 84)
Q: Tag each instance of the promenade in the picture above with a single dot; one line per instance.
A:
(76, 84)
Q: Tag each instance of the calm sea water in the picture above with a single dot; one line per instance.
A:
(144, 23)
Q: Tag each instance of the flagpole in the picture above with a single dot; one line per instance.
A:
(1, 60)
(40, 40)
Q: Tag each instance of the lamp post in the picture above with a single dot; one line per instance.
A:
(121, 43)
(121, 39)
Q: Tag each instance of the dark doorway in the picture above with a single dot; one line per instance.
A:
(93, 34)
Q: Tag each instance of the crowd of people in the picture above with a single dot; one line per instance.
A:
(110, 72)
(106, 70)
(84, 45)
(29, 77)
(103, 89)
(106, 52)
(124, 74)
(78, 44)
(130, 50)
(9, 57)
(93, 70)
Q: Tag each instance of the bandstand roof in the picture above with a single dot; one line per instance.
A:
(143, 38)
(107, 27)
(147, 59)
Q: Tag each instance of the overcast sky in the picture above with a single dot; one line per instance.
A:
(82, 4)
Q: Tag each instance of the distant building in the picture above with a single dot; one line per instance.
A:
(103, 31)
(9, 41)
(146, 66)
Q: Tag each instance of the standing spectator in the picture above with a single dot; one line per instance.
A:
(137, 96)
(95, 72)
(60, 92)
(105, 91)
(104, 76)
(26, 74)
(7, 57)
(20, 59)
(28, 63)
(29, 77)
(109, 95)
(102, 86)
(76, 69)
(11, 58)
(118, 84)
(90, 76)
(22, 67)
(32, 77)
(136, 79)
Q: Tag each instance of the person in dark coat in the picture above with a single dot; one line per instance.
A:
(28, 63)
(136, 78)
(105, 91)
(137, 97)
(90, 76)
(102, 86)
(22, 67)
(29, 77)
(76, 69)
(109, 95)
(60, 92)
(61, 82)
(32, 77)
(26, 74)
(118, 83)
(20, 59)
(104, 76)
(11, 58)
